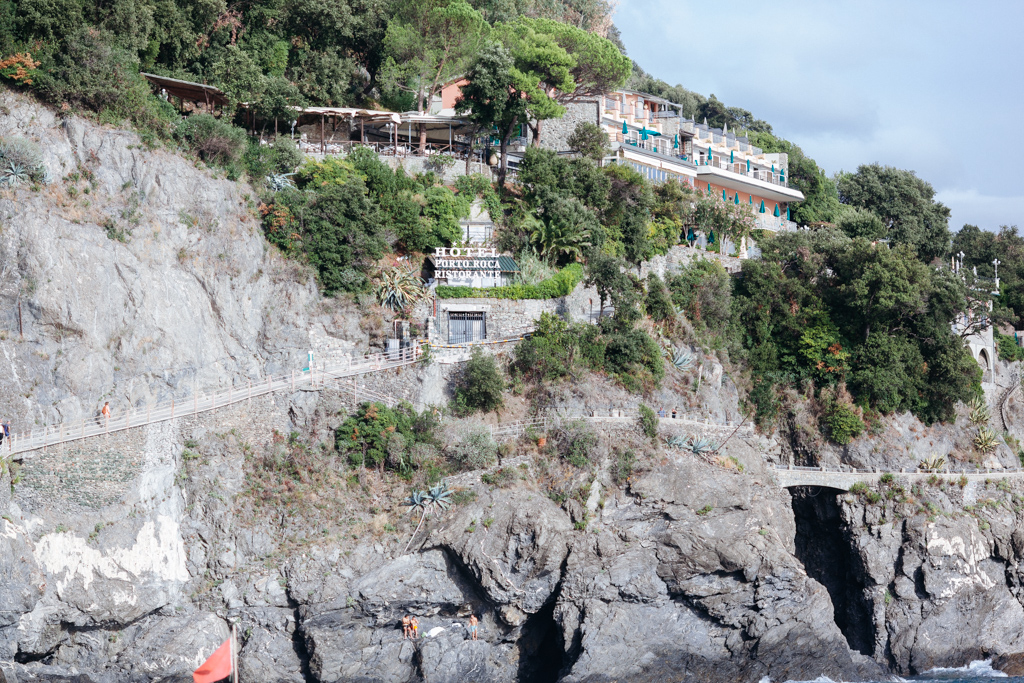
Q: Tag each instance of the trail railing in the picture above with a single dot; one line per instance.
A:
(44, 437)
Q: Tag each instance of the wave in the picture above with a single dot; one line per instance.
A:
(979, 668)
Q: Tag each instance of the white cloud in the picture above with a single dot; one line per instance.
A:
(928, 86)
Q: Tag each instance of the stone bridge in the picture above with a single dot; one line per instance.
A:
(844, 480)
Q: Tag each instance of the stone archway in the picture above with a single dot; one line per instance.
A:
(986, 365)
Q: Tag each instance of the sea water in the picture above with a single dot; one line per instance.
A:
(975, 672)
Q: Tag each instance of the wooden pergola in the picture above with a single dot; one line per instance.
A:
(188, 90)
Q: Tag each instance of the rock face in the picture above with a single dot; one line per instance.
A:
(922, 591)
(191, 299)
(131, 557)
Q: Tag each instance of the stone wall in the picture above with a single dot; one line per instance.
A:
(554, 133)
(512, 317)
(682, 255)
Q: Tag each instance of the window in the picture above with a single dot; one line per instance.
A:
(466, 327)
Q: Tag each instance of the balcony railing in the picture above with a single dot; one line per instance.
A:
(740, 167)
(656, 145)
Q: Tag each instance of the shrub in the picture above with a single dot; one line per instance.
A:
(658, 304)
(574, 443)
(474, 451)
(841, 420)
(21, 162)
(215, 141)
(480, 385)
(648, 422)
(986, 441)
(622, 469)
(376, 435)
(501, 478)
(265, 160)
(91, 72)
(859, 488)
(562, 284)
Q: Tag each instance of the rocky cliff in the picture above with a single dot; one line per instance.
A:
(129, 557)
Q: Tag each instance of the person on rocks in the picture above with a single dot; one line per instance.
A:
(414, 623)
(5, 431)
(406, 626)
(106, 411)
(474, 625)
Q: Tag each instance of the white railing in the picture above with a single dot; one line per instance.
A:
(770, 222)
(310, 378)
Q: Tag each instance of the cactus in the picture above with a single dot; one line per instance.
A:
(936, 463)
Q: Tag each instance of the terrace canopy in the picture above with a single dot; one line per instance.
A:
(188, 90)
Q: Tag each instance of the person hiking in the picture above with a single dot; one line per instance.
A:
(106, 411)
(406, 626)
(5, 431)
(415, 624)
(474, 625)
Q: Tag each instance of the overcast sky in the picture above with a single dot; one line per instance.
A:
(936, 87)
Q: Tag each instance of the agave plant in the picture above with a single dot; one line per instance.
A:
(699, 445)
(280, 181)
(436, 498)
(14, 174)
(933, 464)
(398, 287)
(683, 360)
(676, 441)
(979, 411)
(986, 441)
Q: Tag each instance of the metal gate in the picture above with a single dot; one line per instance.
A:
(466, 327)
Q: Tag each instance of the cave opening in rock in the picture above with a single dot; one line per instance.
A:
(541, 648)
(830, 559)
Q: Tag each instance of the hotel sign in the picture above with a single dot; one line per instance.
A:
(466, 262)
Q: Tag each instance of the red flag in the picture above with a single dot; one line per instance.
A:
(217, 667)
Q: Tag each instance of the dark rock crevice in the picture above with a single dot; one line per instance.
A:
(830, 558)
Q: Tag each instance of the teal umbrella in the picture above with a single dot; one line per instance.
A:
(724, 197)
(690, 236)
(711, 237)
(643, 133)
(762, 206)
(787, 214)
(732, 158)
(709, 189)
(625, 128)
(708, 162)
(736, 198)
(776, 214)
(675, 142)
(748, 165)
(751, 200)
(773, 168)
(782, 175)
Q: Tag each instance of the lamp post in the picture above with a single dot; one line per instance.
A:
(294, 123)
(960, 265)
(995, 263)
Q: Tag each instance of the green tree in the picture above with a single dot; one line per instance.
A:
(429, 42)
(905, 204)
(343, 235)
(480, 385)
(821, 199)
(590, 140)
